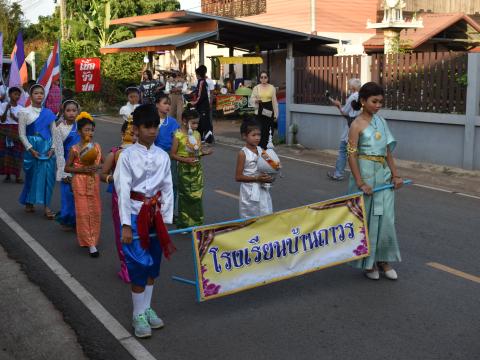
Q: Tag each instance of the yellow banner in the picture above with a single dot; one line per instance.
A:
(246, 60)
(237, 256)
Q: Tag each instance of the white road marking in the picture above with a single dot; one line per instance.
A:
(332, 167)
(126, 339)
(433, 188)
(284, 156)
(227, 194)
(469, 196)
(455, 272)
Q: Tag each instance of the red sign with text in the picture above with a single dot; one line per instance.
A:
(87, 75)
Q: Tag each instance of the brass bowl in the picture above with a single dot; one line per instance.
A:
(88, 154)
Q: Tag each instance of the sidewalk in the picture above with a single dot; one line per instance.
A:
(439, 176)
(31, 327)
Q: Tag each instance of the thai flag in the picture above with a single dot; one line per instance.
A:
(50, 71)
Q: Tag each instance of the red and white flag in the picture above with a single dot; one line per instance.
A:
(50, 71)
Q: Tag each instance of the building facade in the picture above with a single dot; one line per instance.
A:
(341, 20)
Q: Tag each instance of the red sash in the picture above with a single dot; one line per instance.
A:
(151, 216)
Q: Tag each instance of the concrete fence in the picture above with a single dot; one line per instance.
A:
(444, 139)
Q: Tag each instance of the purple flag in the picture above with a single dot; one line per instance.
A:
(14, 74)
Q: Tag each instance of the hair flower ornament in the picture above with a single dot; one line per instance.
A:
(84, 115)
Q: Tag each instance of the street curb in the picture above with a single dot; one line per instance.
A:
(94, 339)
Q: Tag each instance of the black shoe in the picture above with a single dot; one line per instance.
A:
(95, 254)
(331, 176)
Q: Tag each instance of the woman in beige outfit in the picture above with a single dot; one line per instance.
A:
(264, 99)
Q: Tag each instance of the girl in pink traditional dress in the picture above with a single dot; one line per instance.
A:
(107, 177)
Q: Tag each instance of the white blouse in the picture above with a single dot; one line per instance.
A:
(26, 116)
(180, 85)
(13, 110)
(127, 109)
(146, 171)
(59, 135)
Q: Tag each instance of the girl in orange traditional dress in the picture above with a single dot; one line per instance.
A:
(83, 162)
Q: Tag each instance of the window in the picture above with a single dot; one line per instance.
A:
(234, 8)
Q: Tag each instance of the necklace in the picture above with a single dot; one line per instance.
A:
(378, 134)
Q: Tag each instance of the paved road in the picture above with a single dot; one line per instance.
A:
(331, 314)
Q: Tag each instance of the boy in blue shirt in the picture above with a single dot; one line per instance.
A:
(166, 130)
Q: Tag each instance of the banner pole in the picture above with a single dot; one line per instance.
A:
(183, 280)
(385, 187)
(195, 269)
(190, 229)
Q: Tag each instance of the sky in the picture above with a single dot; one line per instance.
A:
(35, 8)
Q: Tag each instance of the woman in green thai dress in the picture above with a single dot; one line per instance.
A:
(187, 150)
(370, 147)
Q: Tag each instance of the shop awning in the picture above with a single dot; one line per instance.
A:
(231, 33)
(246, 60)
(157, 42)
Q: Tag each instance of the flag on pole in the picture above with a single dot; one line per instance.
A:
(18, 56)
(50, 70)
(14, 78)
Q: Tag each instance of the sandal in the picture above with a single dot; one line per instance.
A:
(19, 181)
(29, 208)
(49, 214)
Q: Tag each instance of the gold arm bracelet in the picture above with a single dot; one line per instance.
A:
(351, 149)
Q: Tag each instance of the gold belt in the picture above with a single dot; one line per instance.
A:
(376, 158)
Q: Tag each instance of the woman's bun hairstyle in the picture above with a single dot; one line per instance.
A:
(367, 90)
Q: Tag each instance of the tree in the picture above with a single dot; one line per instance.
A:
(47, 28)
(11, 23)
(88, 29)
(141, 7)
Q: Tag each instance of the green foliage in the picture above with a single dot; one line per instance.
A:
(11, 23)
(127, 8)
(87, 30)
(401, 46)
(462, 80)
(123, 67)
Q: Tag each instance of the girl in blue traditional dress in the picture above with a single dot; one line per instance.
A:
(370, 147)
(66, 135)
(36, 125)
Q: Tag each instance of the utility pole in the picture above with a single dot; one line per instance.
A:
(63, 16)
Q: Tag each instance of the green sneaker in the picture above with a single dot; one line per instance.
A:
(140, 324)
(153, 319)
